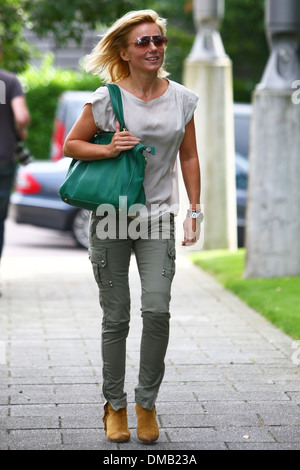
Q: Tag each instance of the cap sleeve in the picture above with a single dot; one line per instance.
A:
(103, 113)
(190, 104)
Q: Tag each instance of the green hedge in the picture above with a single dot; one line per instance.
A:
(43, 86)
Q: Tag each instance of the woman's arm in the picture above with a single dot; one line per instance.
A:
(77, 143)
(192, 179)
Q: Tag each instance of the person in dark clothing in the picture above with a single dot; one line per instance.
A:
(14, 120)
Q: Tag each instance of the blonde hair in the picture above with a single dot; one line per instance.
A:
(105, 58)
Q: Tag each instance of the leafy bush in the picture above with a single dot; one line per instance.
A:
(43, 86)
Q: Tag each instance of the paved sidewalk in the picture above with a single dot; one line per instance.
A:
(230, 383)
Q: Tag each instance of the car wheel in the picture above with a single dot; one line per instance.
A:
(80, 227)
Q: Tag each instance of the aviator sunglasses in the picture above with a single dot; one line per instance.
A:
(144, 41)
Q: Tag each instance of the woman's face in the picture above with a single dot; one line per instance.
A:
(146, 59)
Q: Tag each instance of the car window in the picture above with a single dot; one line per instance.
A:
(73, 111)
(241, 180)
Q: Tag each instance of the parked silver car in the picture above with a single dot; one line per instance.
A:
(36, 200)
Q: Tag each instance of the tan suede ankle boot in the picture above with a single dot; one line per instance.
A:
(115, 424)
(147, 427)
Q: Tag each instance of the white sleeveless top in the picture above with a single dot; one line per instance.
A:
(159, 123)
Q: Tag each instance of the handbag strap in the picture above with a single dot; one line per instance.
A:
(116, 101)
(117, 105)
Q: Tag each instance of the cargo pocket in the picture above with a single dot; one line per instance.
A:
(169, 262)
(96, 272)
(100, 268)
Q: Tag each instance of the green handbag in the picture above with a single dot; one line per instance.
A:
(115, 181)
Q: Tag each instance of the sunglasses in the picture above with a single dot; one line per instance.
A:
(144, 41)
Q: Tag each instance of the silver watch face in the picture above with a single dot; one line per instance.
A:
(196, 215)
(199, 217)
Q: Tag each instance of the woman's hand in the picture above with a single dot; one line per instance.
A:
(121, 141)
(192, 230)
(77, 143)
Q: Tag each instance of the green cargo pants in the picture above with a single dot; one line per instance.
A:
(155, 257)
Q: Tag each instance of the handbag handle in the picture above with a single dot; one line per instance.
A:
(117, 105)
(116, 101)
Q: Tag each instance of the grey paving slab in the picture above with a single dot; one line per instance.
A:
(231, 381)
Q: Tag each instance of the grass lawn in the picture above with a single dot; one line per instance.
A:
(277, 299)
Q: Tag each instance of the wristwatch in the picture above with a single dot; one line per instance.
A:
(198, 215)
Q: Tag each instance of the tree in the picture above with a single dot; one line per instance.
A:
(243, 34)
(242, 30)
(68, 20)
(16, 51)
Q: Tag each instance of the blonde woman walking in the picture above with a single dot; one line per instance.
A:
(158, 112)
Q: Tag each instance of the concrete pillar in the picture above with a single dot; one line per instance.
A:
(273, 212)
(208, 72)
